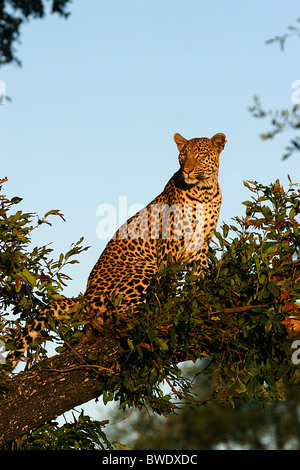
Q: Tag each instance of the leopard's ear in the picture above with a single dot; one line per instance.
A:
(180, 141)
(218, 141)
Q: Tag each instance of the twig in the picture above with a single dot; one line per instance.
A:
(244, 308)
(83, 366)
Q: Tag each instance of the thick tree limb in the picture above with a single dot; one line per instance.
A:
(55, 386)
(64, 381)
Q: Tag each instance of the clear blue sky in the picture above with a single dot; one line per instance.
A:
(100, 95)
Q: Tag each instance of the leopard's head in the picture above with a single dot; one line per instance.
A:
(199, 157)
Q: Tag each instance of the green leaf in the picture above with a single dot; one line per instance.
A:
(130, 344)
(162, 344)
(107, 396)
(29, 277)
(119, 446)
(16, 200)
(247, 203)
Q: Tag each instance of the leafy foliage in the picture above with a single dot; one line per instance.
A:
(281, 120)
(249, 425)
(284, 119)
(237, 317)
(292, 31)
(83, 433)
(29, 278)
(13, 13)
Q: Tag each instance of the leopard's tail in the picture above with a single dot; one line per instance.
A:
(55, 310)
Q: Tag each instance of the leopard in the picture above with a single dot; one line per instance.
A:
(178, 224)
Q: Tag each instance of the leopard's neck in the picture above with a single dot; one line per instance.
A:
(178, 190)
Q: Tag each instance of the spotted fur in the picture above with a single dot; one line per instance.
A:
(180, 221)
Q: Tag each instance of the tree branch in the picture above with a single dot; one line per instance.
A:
(241, 309)
(65, 381)
(55, 386)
